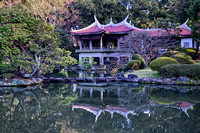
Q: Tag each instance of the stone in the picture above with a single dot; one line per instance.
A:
(183, 79)
(166, 80)
(152, 80)
(90, 79)
(159, 81)
(140, 80)
(132, 76)
(112, 78)
(145, 80)
(101, 79)
(135, 80)
(124, 79)
(173, 82)
(130, 71)
(20, 82)
(69, 79)
(119, 75)
(173, 78)
(80, 79)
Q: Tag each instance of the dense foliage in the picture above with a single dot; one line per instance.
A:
(192, 52)
(156, 64)
(28, 45)
(133, 64)
(139, 57)
(194, 12)
(183, 58)
(176, 70)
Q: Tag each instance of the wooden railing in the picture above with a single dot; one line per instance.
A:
(97, 50)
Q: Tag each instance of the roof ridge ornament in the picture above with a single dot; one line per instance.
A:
(97, 22)
(184, 25)
(125, 20)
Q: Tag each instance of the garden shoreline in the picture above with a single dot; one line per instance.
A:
(183, 81)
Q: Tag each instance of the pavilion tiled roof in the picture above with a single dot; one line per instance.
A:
(96, 28)
(125, 27)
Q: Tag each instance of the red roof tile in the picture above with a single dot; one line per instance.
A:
(123, 26)
(120, 28)
(93, 29)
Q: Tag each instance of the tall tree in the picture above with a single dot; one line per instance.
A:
(103, 10)
(28, 45)
(179, 11)
(194, 12)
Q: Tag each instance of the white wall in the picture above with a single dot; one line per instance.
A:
(186, 40)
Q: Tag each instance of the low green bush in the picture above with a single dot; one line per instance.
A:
(169, 53)
(183, 58)
(139, 57)
(156, 64)
(176, 70)
(191, 51)
(133, 64)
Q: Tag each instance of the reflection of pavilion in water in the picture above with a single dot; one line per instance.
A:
(100, 99)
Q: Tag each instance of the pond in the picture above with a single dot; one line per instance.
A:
(120, 108)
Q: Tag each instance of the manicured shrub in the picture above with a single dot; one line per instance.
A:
(156, 64)
(183, 58)
(169, 53)
(139, 57)
(191, 51)
(133, 64)
(176, 70)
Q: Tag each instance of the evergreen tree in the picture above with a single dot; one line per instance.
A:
(194, 12)
(28, 45)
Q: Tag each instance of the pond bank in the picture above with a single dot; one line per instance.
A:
(156, 81)
(20, 82)
(120, 78)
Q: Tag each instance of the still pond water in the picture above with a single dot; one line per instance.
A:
(120, 108)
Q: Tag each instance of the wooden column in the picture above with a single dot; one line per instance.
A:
(90, 44)
(107, 44)
(80, 44)
(118, 45)
(101, 42)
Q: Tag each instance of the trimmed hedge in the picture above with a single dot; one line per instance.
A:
(191, 51)
(176, 70)
(169, 53)
(156, 64)
(133, 64)
(183, 58)
(139, 57)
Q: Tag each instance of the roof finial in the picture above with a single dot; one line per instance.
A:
(185, 25)
(186, 21)
(97, 22)
(95, 19)
(130, 22)
(126, 18)
(110, 19)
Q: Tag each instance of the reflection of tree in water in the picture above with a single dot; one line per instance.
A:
(33, 110)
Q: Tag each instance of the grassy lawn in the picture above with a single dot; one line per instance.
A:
(144, 73)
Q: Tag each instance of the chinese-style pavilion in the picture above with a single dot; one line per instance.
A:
(100, 42)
